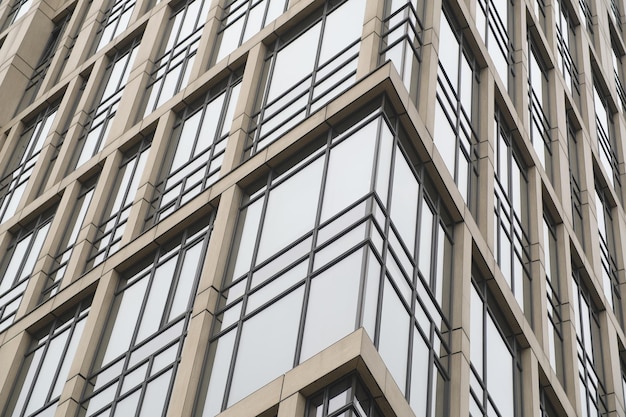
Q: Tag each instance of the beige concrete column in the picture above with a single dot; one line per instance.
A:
(429, 66)
(193, 356)
(292, 406)
(460, 323)
(58, 68)
(12, 354)
(238, 136)
(206, 46)
(88, 345)
(487, 137)
(530, 384)
(149, 177)
(370, 38)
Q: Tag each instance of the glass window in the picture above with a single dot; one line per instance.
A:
(606, 138)
(317, 247)
(402, 40)
(585, 12)
(495, 25)
(17, 10)
(616, 14)
(111, 229)
(511, 217)
(545, 405)
(104, 109)
(298, 82)
(40, 71)
(590, 361)
(567, 59)
(618, 73)
(346, 397)
(606, 230)
(66, 246)
(495, 380)
(456, 111)
(172, 69)
(115, 20)
(17, 264)
(138, 357)
(46, 366)
(553, 293)
(241, 20)
(23, 159)
(194, 159)
(575, 190)
(539, 107)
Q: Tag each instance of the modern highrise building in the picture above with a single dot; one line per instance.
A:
(312, 208)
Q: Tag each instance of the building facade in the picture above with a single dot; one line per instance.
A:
(312, 208)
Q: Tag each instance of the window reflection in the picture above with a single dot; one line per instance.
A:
(46, 366)
(495, 380)
(104, 109)
(241, 20)
(111, 230)
(511, 217)
(138, 357)
(539, 108)
(402, 40)
(608, 254)
(20, 166)
(172, 69)
(17, 264)
(194, 158)
(606, 138)
(589, 353)
(495, 25)
(114, 21)
(70, 235)
(298, 82)
(456, 111)
(346, 397)
(334, 241)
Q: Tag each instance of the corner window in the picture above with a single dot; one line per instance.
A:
(347, 397)
(317, 247)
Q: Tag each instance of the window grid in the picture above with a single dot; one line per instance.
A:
(618, 74)
(539, 108)
(111, 230)
(20, 168)
(241, 20)
(360, 240)
(511, 211)
(17, 266)
(616, 15)
(606, 229)
(346, 397)
(589, 353)
(172, 69)
(46, 366)
(585, 11)
(574, 172)
(299, 83)
(40, 71)
(496, 369)
(553, 293)
(115, 21)
(140, 351)
(17, 10)
(492, 21)
(455, 112)
(606, 139)
(66, 247)
(197, 147)
(101, 115)
(566, 46)
(402, 40)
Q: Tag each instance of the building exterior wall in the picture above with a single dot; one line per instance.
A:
(298, 208)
